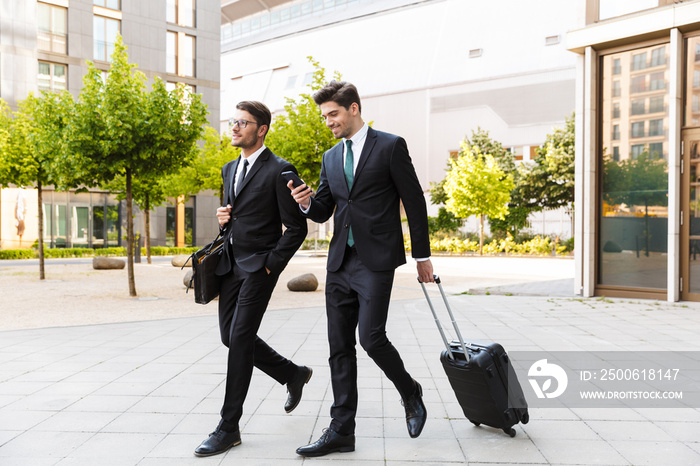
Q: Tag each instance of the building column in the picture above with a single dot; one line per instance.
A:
(586, 165)
(180, 222)
(674, 163)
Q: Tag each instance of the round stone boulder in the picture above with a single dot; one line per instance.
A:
(181, 260)
(107, 263)
(186, 279)
(306, 282)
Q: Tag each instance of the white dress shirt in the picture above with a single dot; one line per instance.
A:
(251, 160)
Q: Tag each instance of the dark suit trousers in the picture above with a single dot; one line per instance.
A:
(242, 304)
(356, 296)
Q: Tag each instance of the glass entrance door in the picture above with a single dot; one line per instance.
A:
(690, 216)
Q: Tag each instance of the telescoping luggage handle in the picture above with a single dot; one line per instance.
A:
(452, 317)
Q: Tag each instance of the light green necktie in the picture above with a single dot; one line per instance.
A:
(349, 162)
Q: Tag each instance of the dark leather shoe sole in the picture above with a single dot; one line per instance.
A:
(323, 452)
(217, 452)
(289, 409)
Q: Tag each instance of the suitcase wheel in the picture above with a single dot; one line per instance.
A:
(526, 418)
(510, 431)
(475, 423)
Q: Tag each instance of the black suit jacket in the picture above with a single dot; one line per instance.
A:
(384, 176)
(262, 206)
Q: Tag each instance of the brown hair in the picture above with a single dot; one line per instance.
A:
(342, 93)
(259, 111)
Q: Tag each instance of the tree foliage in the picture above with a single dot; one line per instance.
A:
(120, 131)
(32, 146)
(476, 185)
(549, 182)
(204, 173)
(300, 135)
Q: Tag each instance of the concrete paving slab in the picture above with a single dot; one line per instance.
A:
(130, 382)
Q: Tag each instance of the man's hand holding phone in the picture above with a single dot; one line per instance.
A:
(300, 192)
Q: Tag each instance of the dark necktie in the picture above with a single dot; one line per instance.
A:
(349, 162)
(242, 177)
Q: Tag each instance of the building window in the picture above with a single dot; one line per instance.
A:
(638, 107)
(636, 150)
(633, 190)
(180, 54)
(616, 110)
(181, 12)
(616, 90)
(638, 129)
(639, 61)
(51, 77)
(658, 56)
(656, 104)
(52, 25)
(187, 49)
(111, 4)
(656, 127)
(656, 150)
(657, 81)
(617, 68)
(171, 52)
(691, 111)
(638, 84)
(105, 32)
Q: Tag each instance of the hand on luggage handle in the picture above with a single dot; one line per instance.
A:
(452, 317)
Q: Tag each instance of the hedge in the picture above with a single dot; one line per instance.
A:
(52, 253)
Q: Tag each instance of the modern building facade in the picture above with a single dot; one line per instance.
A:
(637, 136)
(45, 46)
(431, 71)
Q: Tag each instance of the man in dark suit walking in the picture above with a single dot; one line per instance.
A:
(363, 180)
(256, 205)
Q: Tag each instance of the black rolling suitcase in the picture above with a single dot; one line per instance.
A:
(484, 381)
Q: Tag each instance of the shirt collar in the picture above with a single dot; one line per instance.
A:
(359, 136)
(252, 158)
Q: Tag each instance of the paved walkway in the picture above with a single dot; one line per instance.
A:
(147, 392)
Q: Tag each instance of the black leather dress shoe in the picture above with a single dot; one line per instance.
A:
(330, 442)
(416, 413)
(218, 442)
(295, 388)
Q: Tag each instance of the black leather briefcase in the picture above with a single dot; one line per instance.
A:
(204, 279)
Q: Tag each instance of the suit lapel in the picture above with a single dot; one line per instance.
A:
(337, 169)
(262, 158)
(228, 181)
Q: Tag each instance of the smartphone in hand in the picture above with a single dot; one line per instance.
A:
(291, 176)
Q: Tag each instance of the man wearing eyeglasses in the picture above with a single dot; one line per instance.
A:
(256, 205)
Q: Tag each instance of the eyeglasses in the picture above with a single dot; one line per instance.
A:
(240, 123)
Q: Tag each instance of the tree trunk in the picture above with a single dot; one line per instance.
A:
(130, 235)
(481, 235)
(40, 197)
(147, 214)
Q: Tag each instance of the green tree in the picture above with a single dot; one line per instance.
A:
(476, 185)
(204, 173)
(120, 129)
(300, 135)
(33, 139)
(549, 182)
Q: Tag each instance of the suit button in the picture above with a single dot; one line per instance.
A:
(349, 201)
(234, 218)
(346, 225)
